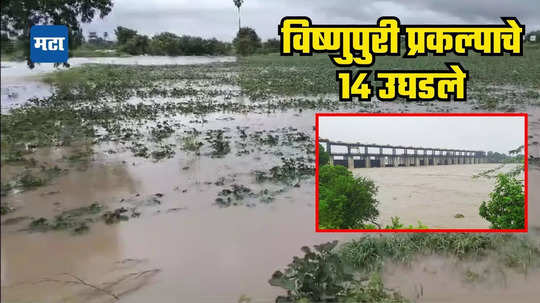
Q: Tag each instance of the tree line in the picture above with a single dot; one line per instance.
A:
(19, 16)
(129, 41)
(246, 42)
(496, 157)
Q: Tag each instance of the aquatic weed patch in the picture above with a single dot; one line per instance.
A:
(218, 142)
(102, 103)
(76, 220)
(31, 178)
(79, 220)
(233, 195)
(6, 208)
(291, 171)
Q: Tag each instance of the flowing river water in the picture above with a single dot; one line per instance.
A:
(188, 249)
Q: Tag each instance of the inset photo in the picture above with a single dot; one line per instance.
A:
(421, 172)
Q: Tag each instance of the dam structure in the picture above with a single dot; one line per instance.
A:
(360, 155)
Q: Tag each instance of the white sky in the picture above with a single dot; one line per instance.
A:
(499, 134)
(219, 19)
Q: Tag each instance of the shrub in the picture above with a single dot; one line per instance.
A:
(506, 207)
(322, 276)
(345, 201)
(317, 277)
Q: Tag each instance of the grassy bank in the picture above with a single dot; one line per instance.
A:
(352, 272)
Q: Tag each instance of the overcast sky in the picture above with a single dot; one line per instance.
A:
(219, 19)
(500, 134)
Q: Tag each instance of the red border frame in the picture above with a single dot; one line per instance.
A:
(489, 230)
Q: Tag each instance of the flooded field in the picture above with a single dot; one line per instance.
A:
(433, 195)
(185, 182)
(19, 83)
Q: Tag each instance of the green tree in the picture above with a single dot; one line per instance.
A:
(238, 4)
(271, 46)
(166, 44)
(19, 16)
(506, 207)
(137, 45)
(324, 157)
(123, 34)
(345, 201)
(247, 42)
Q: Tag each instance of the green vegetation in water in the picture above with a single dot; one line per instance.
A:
(118, 215)
(163, 151)
(30, 179)
(352, 271)
(93, 103)
(238, 194)
(396, 224)
(161, 131)
(190, 143)
(234, 195)
(93, 97)
(76, 220)
(291, 171)
(6, 208)
(218, 142)
(5, 188)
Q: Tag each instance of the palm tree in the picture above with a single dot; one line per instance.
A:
(238, 3)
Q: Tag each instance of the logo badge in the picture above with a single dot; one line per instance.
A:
(49, 43)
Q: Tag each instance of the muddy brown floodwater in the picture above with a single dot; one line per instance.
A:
(188, 249)
(433, 195)
(204, 253)
(436, 280)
